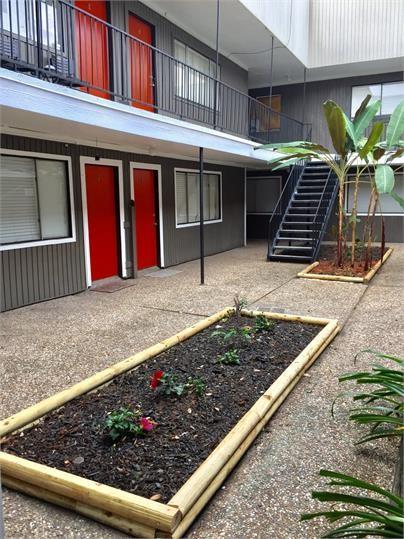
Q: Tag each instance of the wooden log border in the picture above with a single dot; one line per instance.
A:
(305, 274)
(135, 515)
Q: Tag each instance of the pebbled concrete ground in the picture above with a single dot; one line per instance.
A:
(49, 346)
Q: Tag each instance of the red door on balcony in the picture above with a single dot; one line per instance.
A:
(141, 64)
(144, 188)
(92, 47)
(102, 220)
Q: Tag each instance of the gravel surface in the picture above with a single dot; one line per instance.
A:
(49, 346)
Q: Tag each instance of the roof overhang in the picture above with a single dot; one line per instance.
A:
(37, 108)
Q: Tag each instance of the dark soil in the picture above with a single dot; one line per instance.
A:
(328, 262)
(73, 438)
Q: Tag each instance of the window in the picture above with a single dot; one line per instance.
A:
(35, 200)
(390, 93)
(270, 120)
(388, 204)
(187, 197)
(263, 194)
(193, 81)
(20, 15)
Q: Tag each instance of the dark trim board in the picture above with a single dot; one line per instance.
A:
(41, 273)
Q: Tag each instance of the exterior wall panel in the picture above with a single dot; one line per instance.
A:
(41, 273)
(347, 31)
(339, 90)
(164, 69)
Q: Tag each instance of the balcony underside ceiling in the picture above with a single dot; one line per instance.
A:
(36, 108)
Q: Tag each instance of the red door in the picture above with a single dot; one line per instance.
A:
(141, 64)
(102, 221)
(146, 218)
(92, 47)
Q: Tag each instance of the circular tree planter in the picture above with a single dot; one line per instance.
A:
(131, 513)
(306, 273)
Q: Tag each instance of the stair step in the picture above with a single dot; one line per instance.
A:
(288, 257)
(306, 240)
(297, 211)
(298, 222)
(292, 247)
(295, 231)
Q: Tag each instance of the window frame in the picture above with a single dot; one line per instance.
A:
(57, 241)
(380, 114)
(205, 222)
(187, 98)
(363, 214)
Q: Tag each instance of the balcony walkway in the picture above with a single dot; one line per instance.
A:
(49, 346)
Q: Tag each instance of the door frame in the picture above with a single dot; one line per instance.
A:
(149, 166)
(118, 165)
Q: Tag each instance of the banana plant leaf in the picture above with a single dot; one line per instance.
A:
(364, 119)
(395, 128)
(373, 138)
(334, 116)
(384, 179)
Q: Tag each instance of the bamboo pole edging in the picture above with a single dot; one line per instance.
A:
(102, 505)
(135, 529)
(125, 504)
(287, 317)
(344, 278)
(36, 411)
(241, 450)
(204, 474)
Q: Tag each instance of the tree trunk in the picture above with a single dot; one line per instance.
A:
(340, 225)
(354, 219)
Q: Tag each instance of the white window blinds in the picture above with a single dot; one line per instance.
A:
(35, 201)
(19, 205)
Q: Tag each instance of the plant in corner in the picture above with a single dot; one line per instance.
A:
(382, 398)
(367, 514)
(353, 149)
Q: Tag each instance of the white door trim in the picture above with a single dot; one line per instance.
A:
(103, 162)
(149, 166)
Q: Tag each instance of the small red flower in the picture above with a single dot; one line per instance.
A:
(156, 378)
(147, 424)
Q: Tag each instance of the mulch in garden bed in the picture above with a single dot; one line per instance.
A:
(73, 438)
(328, 262)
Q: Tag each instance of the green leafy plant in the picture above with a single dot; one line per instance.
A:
(196, 385)
(262, 323)
(369, 515)
(225, 334)
(382, 398)
(124, 421)
(230, 357)
(170, 384)
(232, 332)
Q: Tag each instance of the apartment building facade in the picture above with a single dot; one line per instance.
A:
(105, 106)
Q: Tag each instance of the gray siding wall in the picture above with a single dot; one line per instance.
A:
(165, 33)
(40, 273)
(339, 90)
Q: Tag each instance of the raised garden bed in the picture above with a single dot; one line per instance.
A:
(155, 483)
(325, 269)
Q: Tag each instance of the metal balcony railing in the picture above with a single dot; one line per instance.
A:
(56, 41)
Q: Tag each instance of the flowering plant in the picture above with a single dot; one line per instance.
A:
(171, 385)
(124, 421)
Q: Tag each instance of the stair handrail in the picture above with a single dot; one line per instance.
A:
(300, 163)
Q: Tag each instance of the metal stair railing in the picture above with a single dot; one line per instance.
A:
(283, 202)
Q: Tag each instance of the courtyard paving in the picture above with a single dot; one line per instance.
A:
(49, 346)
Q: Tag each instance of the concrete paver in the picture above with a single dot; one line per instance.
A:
(49, 346)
